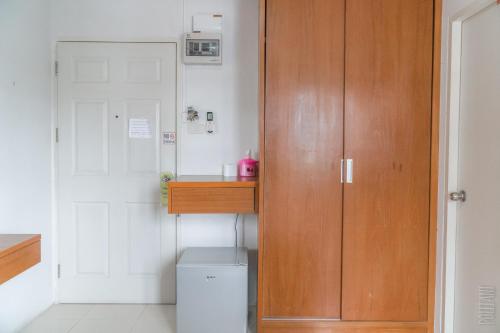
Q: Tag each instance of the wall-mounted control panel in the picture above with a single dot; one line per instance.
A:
(203, 48)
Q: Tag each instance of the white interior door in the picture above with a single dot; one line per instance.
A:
(475, 162)
(116, 242)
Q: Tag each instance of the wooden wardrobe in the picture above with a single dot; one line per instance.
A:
(348, 135)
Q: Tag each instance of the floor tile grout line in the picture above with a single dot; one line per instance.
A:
(91, 307)
(138, 317)
(74, 325)
(81, 318)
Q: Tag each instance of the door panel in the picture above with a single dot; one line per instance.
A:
(117, 244)
(387, 134)
(477, 277)
(303, 149)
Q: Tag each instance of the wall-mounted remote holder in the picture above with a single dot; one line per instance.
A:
(196, 124)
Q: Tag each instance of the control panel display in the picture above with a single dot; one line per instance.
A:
(203, 48)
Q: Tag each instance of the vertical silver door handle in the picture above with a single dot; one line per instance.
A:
(346, 171)
(349, 171)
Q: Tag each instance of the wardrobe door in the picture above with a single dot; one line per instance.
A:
(388, 136)
(302, 213)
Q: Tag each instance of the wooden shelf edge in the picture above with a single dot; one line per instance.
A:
(211, 184)
(212, 181)
(18, 242)
(18, 254)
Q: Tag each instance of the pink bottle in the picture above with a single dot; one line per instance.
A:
(247, 167)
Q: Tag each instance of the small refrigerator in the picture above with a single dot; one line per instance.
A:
(212, 290)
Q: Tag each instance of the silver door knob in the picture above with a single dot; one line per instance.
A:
(458, 196)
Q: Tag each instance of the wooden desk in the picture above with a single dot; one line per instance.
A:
(212, 194)
(17, 254)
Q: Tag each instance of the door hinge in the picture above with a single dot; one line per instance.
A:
(58, 271)
(56, 68)
(57, 134)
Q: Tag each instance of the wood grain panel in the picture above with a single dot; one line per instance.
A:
(204, 200)
(17, 254)
(302, 194)
(294, 329)
(278, 326)
(388, 135)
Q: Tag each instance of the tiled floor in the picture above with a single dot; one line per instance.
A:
(109, 318)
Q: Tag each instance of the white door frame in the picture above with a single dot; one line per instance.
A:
(453, 123)
(55, 150)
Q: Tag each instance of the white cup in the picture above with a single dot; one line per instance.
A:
(230, 170)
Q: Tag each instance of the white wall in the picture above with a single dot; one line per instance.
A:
(230, 90)
(450, 9)
(25, 151)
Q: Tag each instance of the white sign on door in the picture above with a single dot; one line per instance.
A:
(139, 128)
